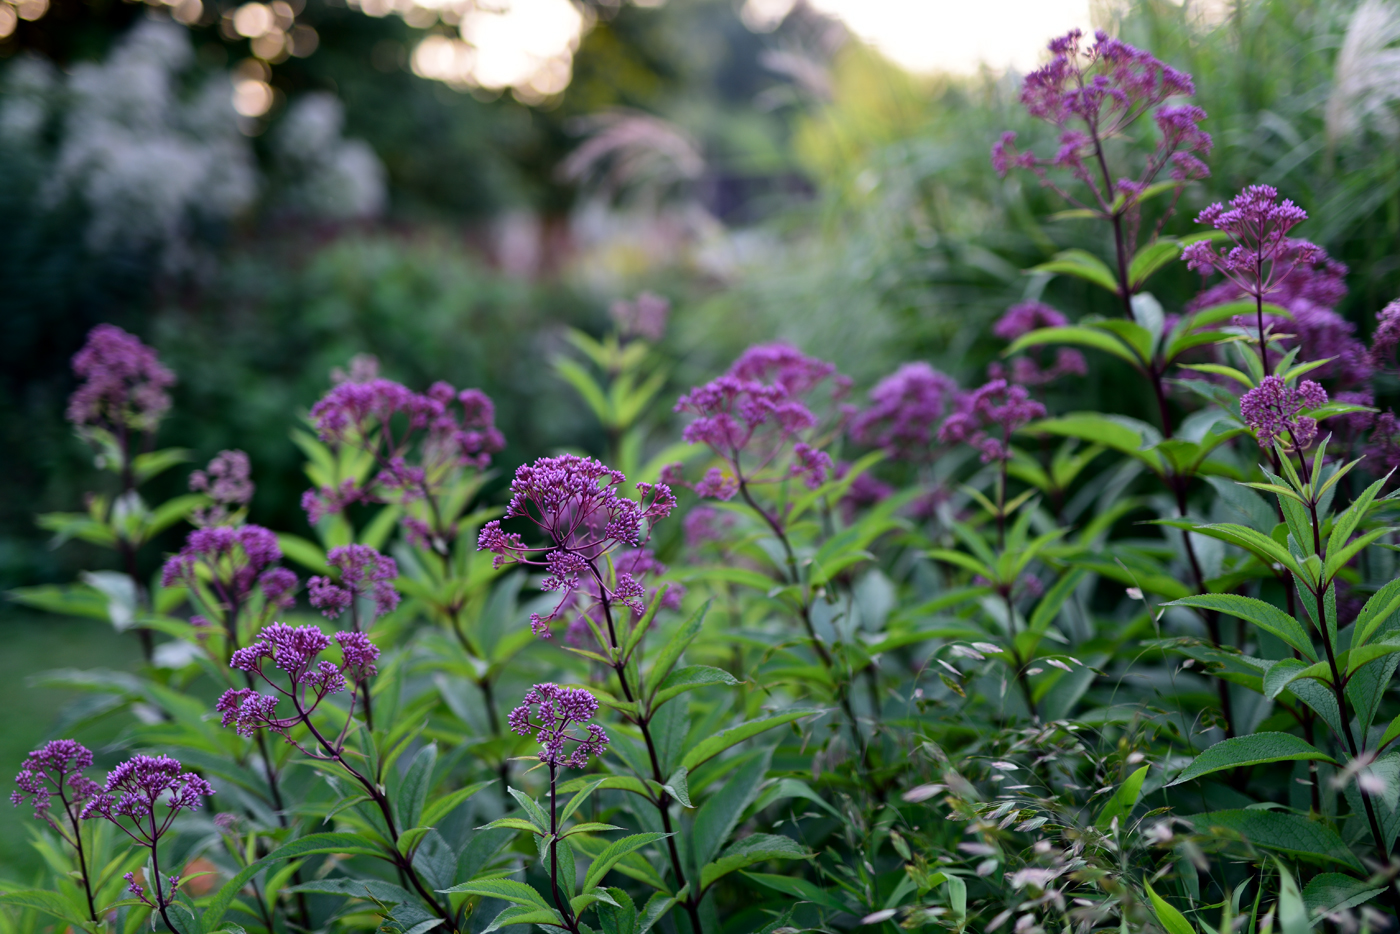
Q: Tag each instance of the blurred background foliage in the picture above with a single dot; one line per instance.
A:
(260, 220)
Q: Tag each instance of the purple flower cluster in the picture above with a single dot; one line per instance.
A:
(577, 504)
(1384, 446)
(238, 558)
(227, 482)
(362, 571)
(555, 711)
(1096, 93)
(134, 789)
(1309, 285)
(1273, 409)
(705, 524)
(55, 768)
(644, 317)
(997, 404)
(635, 567)
(451, 428)
(124, 383)
(755, 409)
(1260, 251)
(1387, 334)
(1023, 319)
(904, 407)
(294, 650)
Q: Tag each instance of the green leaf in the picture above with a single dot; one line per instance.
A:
(1123, 801)
(50, 903)
(711, 746)
(671, 652)
(524, 915)
(798, 888)
(1329, 892)
(306, 553)
(506, 889)
(755, 848)
(1284, 832)
(719, 815)
(1151, 258)
(1264, 615)
(1173, 921)
(1292, 911)
(1288, 671)
(587, 387)
(688, 679)
(378, 889)
(1079, 336)
(1254, 749)
(413, 790)
(513, 823)
(614, 852)
(1082, 265)
(1124, 435)
(446, 805)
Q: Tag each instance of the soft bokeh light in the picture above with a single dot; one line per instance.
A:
(956, 36)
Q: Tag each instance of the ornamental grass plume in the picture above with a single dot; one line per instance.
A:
(576, 503)
(124, 383)
(1273, 409)
(552, 713)
(361, 571)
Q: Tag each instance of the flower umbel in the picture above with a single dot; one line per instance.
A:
(55, 769)
(1273, 409)
(362, 572)
(552, 713)
(997, 404)
(904, 407)
(124, 383)
(577, 504)
(226, 481)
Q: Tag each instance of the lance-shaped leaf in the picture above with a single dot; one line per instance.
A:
(1172, 921)
(1264, 615)
(614, 852)
(668, 656)
(799, 889)
(1284, 832)
(1328, 892)
(1080, 336)
(505, 889)
(688, 679)
(1123, 801)
(711, 746)
(1082, 265)
(447, 804)
(524, 915)
(1382, 605)
(755, 848)
(1254, 749)
(1285, 673)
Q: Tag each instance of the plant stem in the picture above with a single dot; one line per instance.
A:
(78, 847)
(663, 800)
(565, 909)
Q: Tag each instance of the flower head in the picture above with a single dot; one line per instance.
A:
(226, 481)
(1096, 92)
(1260, 251)
(576, 502)
(644, 317)
(124, 383)
(1387, 334)
(552, 713)
(904, 407)
(362, 571)
(237, 557)
(1027, 317)
(996, 404)
(139, 786)
(1273, 409)
(705, 524)
(55, 768)
(417, 439)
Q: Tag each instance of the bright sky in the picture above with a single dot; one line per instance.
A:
(958, 35)
(529, 44)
